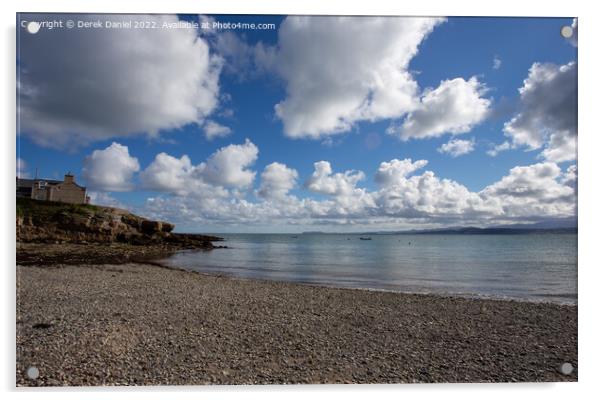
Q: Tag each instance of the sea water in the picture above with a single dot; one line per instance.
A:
(532, 267)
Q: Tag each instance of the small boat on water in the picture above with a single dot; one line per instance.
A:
(365, 238)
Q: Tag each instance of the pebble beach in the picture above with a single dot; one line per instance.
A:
(140, 323)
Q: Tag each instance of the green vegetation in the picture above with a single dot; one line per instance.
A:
(43, 210)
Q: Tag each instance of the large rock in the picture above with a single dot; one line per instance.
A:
(51, 222)
(44, 221)
(74, 222)
(151, 227)
(131, 220)
(167, 227)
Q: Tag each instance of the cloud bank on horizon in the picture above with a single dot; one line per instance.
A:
(211, 190)
(335, 77)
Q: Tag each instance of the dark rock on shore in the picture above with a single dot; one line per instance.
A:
(52, 222)
(50, 254)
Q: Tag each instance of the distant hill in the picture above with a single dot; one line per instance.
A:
(489, 231)
(565, 225)
(560, 223)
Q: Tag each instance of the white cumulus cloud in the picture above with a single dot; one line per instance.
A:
(391, 172)
(548, 115)
(217, 192)
(104, 199)
(229, 165)
(534, 190)
(345, 199)
(214, 130)
(225, 169)
(323, 181)
(78, 86)
(168, 173)
(276, 181)
(340, 70)
(110, 169)
(455, 107)
(531, 192)
(457, 147)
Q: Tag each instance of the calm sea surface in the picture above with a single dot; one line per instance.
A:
(540, 267)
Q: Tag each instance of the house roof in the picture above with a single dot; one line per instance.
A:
(22, 182)
(79, 186)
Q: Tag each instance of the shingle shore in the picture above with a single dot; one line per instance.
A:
(140, 324)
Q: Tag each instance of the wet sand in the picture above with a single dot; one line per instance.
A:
(143, 324)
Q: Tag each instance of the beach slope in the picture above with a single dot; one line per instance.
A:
(141, 324)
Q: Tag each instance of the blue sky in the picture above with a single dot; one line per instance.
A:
(249, 88)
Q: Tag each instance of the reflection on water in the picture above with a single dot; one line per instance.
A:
(530, 267)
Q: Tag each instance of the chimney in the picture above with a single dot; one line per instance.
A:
(69, 178)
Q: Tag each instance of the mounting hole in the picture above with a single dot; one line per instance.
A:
(33, 373)
(566, 32)
(566, 368)
(33, 27)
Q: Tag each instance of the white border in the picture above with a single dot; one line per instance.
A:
(589, 188)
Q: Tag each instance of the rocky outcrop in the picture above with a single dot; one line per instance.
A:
(51, 222)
